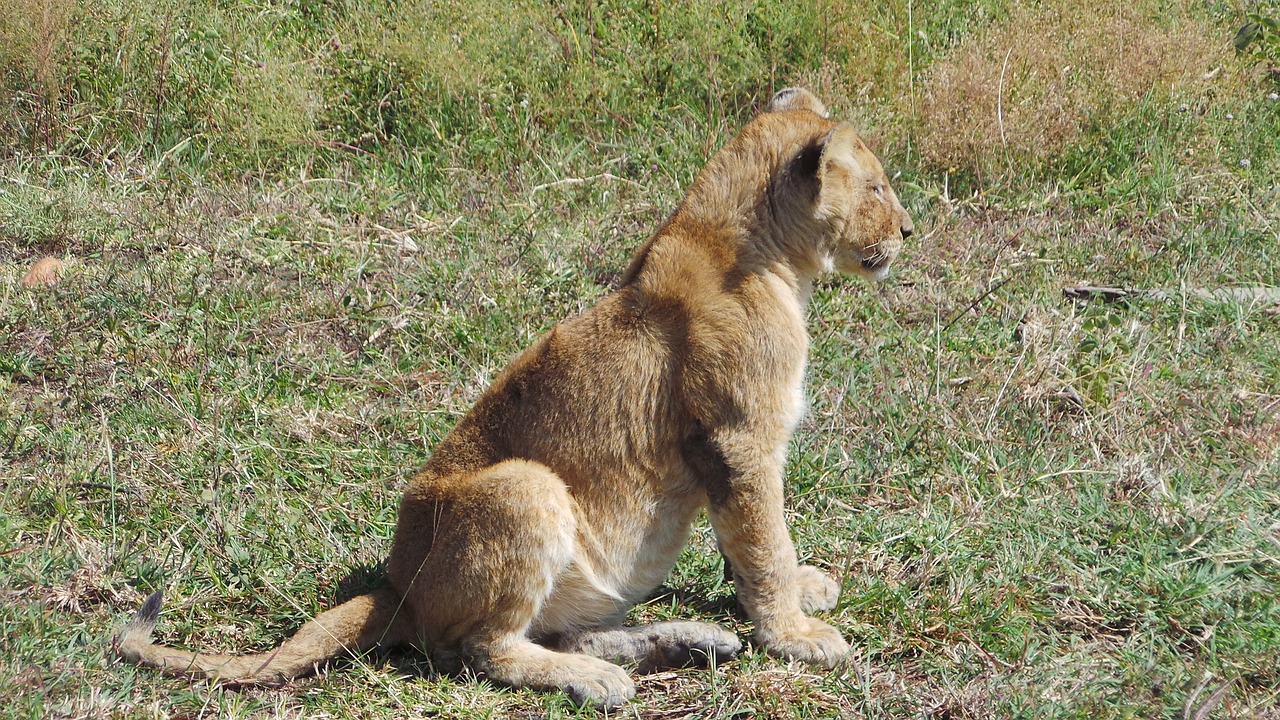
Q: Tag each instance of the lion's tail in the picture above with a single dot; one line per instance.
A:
(362, 623)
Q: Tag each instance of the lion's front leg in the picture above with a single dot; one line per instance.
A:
(746, 508)
(818, 590)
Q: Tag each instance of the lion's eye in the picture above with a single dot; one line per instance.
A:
(879, 190)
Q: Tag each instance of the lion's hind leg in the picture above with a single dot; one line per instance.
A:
(518, 662)
(657, 646)
(498, 540)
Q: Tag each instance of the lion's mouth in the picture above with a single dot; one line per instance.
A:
(874, 269)
(877, 262)
(874, 265)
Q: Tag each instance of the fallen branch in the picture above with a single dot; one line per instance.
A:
(1260, 295)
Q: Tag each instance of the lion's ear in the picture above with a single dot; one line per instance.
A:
(837, 166)
(794, 98)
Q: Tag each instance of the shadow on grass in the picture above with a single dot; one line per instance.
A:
(361, 580)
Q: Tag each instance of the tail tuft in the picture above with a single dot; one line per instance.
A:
(136, 633)
(150, 610)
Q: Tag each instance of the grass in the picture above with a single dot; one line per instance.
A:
(301, 238)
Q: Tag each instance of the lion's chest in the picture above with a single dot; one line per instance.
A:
(783, 349)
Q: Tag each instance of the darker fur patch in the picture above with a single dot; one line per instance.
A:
(708, 463)
(807, 162)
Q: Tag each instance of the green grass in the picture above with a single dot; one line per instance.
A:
(294, 260)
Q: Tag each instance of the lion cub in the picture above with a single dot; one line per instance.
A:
(565, 495)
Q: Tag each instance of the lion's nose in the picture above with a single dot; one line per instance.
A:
(907, 231)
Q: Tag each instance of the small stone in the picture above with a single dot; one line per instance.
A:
(1274, 96)
(1184, 107)
(1230, 116)
(43, 274)
(1244, 162)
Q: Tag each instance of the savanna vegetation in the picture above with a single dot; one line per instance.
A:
(297, 238)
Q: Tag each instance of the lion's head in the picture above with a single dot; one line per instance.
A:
(863, 223)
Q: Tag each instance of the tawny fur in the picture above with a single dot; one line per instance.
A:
(565, 495)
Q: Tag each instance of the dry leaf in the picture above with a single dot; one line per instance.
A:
(43, 274)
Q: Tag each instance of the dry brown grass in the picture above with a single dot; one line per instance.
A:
(33, 43)
(1030, 86)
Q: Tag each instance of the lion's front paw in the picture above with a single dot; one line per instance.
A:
(818, 591)
(809, 640)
